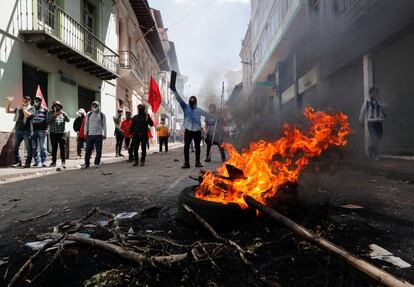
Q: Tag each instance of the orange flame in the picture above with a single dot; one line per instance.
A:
(269, 165)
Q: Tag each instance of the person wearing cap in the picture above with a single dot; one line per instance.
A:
(119, 134)
(39, 132)
(23, 129)
(57, 118)
(78, 127)
(125, 127)
(139, 129)
(95, 133)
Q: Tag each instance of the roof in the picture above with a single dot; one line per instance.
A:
(149, 28)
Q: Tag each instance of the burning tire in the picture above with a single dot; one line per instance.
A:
(218, 215)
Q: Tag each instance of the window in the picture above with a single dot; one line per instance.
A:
(341, 6)
(88, 11)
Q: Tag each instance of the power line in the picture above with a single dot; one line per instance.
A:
(192, 13)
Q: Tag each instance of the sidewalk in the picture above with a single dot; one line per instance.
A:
(390, 167)
(10, 174)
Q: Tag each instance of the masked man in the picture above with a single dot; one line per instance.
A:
(95, 133)
(39, 132)
(139, 129)
(56, 118)
(192, 125)
(215, 132)
(23, 129)
(125, 128)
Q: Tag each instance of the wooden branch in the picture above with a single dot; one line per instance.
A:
(33, 257)
(36, 217)
(234, 245)
(127, 254)
(362, 265)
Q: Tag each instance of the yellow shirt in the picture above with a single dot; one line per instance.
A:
(163, 131)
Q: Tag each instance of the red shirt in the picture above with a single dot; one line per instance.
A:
(125, 126)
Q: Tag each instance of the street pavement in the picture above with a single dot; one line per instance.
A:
(385, 217)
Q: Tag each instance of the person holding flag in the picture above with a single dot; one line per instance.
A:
(39, 129)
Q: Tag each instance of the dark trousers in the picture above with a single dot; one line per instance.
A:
(58, 140)
(127, 144)
(163, 141)
(140, 140)
(25, 136)
(210, 144)
(119, 140)
(188, 137)
(93, 142)
(80, 145)
(375, 135)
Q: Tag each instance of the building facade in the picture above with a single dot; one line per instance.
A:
(67, 48)
(328, 53)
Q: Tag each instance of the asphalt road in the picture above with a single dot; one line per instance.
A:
(386, 219)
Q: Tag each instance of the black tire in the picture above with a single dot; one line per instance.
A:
(220, 216)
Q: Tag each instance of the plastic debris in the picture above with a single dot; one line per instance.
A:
(352, 206)
(2, 262)
(103, 223)
(380, 253)
(126, 215)
(130, 231)
(36, 245)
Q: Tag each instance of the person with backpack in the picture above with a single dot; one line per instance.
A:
(95, 133)
(57, 118)
(373, 112)
(139, 129)
(79, 128)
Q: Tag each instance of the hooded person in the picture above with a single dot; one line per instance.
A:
(95, 133)
(139, 130)
(192, 126)
(39, 132)
(125, 128)
(57, 119)
(79, 127)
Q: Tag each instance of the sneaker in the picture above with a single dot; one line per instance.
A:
(85, 166)
(142, 163)
(121, 155)
(186, 165)
(116, 155)
(26, 165)
(53, 164)
(63, 165)
(130, 160)
(36, 164)
(135, 163)
(17, 164)
(97, 165)
(44, 165)
(198, 164)
(207, 160)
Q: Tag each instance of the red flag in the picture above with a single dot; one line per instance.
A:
(39, 94)
(154, 96)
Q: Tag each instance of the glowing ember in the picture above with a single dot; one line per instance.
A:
(269, 165)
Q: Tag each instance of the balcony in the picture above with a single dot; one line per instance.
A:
(52, 29)
(128, 61)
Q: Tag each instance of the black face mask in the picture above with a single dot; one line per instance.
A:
(193, 103)
(141, 109)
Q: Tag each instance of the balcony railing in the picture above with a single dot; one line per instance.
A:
(127, 60)
(46, 17)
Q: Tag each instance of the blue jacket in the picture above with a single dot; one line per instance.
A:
(192, 117)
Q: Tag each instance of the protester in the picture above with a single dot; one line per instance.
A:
(125, 127)
(56, 118)
(119, 134)
(23, 129)
(163, 135)
(373, 111)
(139, 129)
(95, 133)
(79, 128)
(192, 125)
(39, 132)
(215, 132)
